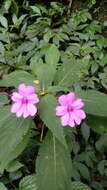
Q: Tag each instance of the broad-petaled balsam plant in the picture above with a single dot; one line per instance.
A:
(59, 103)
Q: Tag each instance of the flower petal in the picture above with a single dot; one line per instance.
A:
(25, 112)
(30, 90)
(77, 104)
(61, 110)
(31, 109)
(70, 97)
(26, 90)
(62, 100)
(20, 111)
(76, 118)
(33, 99)
(71, 122)
(22, 89)
(15, 107)
(80, 113)
(65, 119)
(16, 97)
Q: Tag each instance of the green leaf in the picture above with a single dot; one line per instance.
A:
(28, 183)
(14, 134)
(95, 102)
(47, 36)
(14, 166)
(97, 185)
(52, 55)
(25, 46)
(76, 185)
(7, 4)
(2, 49)
(101, 144)
(75, 174)
(103, 61)
(85, 131)
(83, 170)
(4, 37)
(14, 7)
(53, 165)
(15, 175)
(3, 99)
(102, 42)
(68, 74)
(98, 124)
(36, 10)
(35, 62)
(45, 74)
(15, 20)
(17, 77)
(105, 23)
(54, 89)
(3, 21)
(20, 147)
(102, 167)
(2, 187)
(46, 109)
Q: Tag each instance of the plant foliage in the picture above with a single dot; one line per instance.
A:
(56, 47)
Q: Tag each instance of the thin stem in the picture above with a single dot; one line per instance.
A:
(69, 6)
(41, 137)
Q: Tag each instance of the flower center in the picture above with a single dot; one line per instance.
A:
(24, 100)
(70, 108)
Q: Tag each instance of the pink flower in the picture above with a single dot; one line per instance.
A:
(70, 110)
(24, 100)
